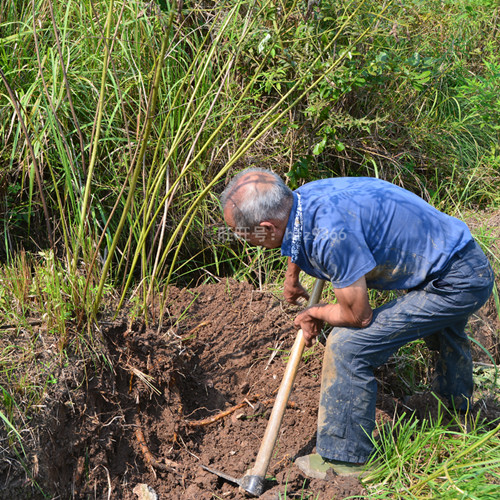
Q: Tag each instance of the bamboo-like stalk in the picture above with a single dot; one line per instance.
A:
(251, 140)
(65, 79)
(138, 166)
(128, 176)
(60, 132)
(182, 129)
(95, 142)
(252, 137)
(183, 126)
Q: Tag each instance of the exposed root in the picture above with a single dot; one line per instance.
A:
(225, 413)
(222, 414)
(167, 466)
(15, 326)
(195, 329)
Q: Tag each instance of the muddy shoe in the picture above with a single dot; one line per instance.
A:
(317, 467)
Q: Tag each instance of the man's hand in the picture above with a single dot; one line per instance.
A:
(311, 326)
(292, 289)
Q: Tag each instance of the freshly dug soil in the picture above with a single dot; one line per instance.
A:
(146, 412)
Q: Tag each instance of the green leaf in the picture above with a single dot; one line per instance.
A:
(424, 76)
(318, 148)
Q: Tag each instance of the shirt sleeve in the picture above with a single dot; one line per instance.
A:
(343, 255)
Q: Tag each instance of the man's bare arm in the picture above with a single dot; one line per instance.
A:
(292, 289)
(352, 310)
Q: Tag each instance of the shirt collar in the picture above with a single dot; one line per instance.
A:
(292, 238)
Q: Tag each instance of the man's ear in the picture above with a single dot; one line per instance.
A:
(268, 225)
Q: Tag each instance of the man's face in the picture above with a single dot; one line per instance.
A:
(267, 234)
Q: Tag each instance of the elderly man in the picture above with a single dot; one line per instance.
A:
(361, 233)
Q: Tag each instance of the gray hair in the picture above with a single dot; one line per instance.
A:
(258, 205)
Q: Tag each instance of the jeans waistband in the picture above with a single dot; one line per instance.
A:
(463, 251)
(469, 246)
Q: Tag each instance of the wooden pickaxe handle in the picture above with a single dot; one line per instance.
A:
(269, 440)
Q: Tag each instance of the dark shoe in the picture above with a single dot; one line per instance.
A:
(317, 467)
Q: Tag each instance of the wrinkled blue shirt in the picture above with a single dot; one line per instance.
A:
(341, 229)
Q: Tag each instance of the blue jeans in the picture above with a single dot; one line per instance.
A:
(437, 310)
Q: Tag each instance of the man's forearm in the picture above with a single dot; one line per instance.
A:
(336, 315)
(293, 290)
(293, 271)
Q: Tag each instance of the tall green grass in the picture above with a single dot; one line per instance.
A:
(122, 114)
(433, 459)
(117, 114)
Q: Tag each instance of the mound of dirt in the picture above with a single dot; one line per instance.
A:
(196, 389)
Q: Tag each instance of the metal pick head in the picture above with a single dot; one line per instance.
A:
(227, 477)
(253, 485)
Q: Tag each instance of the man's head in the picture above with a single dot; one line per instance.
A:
(256, 205)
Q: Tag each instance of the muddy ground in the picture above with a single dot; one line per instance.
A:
(148, 414)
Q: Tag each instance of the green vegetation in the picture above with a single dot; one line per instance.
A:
(120, 120)
(430, 459)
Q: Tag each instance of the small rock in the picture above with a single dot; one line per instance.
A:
(145, 492)
(237, 416)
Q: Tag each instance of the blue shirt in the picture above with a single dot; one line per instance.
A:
(341, 229)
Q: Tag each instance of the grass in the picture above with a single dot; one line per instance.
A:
(429, 459)
(119, 122)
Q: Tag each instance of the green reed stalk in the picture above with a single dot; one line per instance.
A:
(138, 166)
(95, 141)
